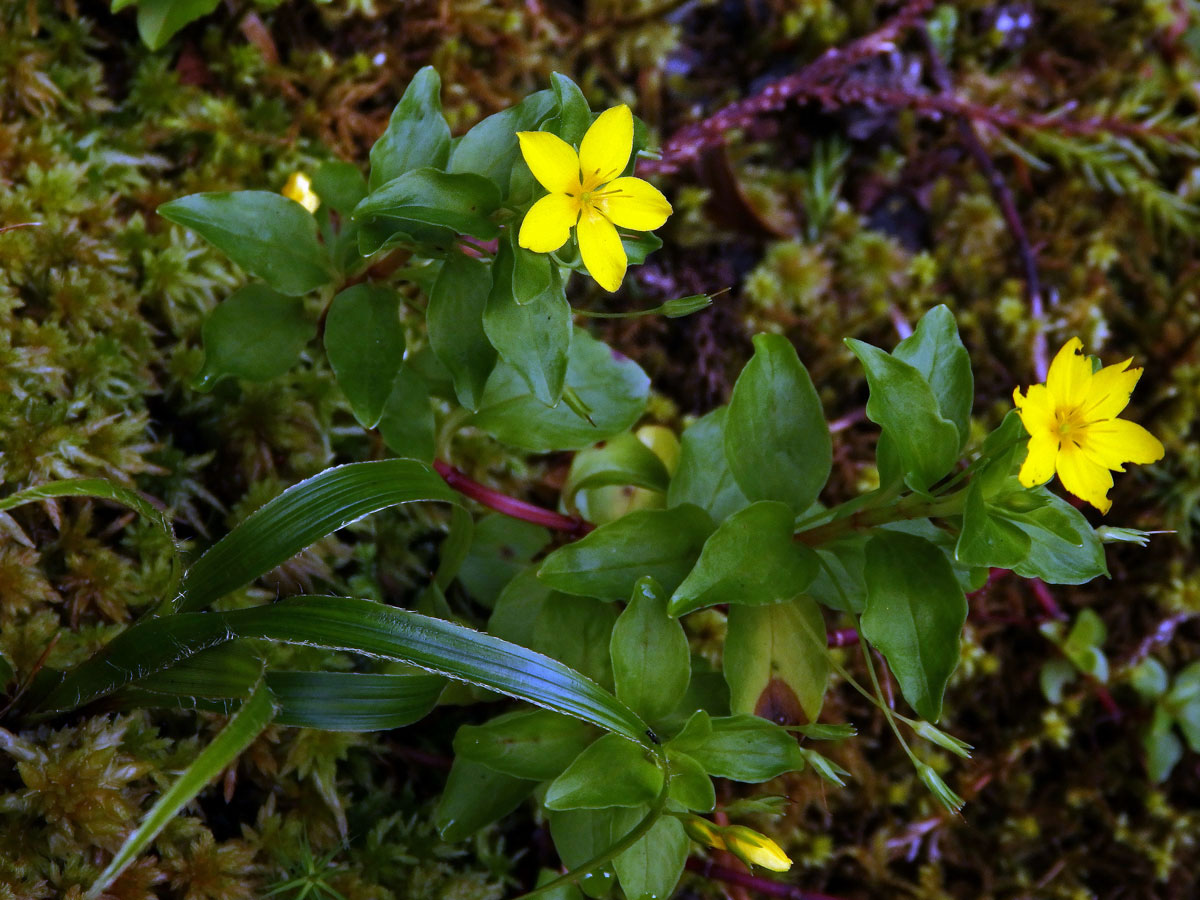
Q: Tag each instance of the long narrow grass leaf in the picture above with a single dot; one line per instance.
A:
(103, 489)
(254, 716)
(350, 701)
(359, 626)
(302, 514)
(363, 626)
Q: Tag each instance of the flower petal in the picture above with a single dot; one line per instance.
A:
(553, 162)
(1110, 390)
(600, 247)
(1117, 441)
(1087, 480)
(605, 148)
(547, 225)
(1038, 467)
(633, 203)
(1036, 409)
(1070, 375)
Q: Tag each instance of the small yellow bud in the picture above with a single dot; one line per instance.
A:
(702, 831)
(299, 188)
(755, 849)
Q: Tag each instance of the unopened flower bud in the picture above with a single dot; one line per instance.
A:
(755, 849)
(299, 188)
(939, 788)
(702, 831)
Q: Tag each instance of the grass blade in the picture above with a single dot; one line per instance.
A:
(301, 515)
(254, 716)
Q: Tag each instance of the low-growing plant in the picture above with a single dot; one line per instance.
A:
(438, 288)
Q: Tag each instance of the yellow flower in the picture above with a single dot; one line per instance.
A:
(755, 849)
(587, 194)
(299, 188)
(1074, 430)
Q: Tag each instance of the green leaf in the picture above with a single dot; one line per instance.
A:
(776, 441)
(255, 334)
(703, 476)
(612, 387)
(532, 274)
(611, 772)
(217, 680)
(365, 345)
(904, 405)
(474, 797)
(533, 744)
(1055, 675)
(353, 701)
(502, 548)
(776, 661)
(340, 185)
(301, 515)
(358, 626)
(576, 631)
(691, 787)
(1084, 643)
(743, 748)
(1149, 679)
(159, 20)
(416, 200)
(490, 148)
(579, 836)
(407, 424)
(455, 318)
(533, 337)
(623, 460)
(651, 658)
(6, 672)
(1063, 547)
(840, 583)
(249, 722)
(936, 351)
(1163, 748)
(1183, 700)
(750, 559)
(914, 615)
(988, 539)
(608, 563)
(574, 113)
(266, 234)
(417, 134)
(651, 868)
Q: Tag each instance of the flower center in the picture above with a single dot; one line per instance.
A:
(1070, 425)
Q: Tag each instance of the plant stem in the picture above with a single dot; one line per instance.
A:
(639, 831)
(510, 506)
(911, 507)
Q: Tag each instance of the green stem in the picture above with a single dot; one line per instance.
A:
(975, 464)
(657, 808)
(887, 710)
(911, 507)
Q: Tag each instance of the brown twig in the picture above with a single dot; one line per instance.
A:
(763, 886)
(1004, 199)
(687, 144)
(510, 506)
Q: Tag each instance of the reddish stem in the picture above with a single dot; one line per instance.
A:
(753, 882)
(1049, 606)
(842, 637)
(510, 506)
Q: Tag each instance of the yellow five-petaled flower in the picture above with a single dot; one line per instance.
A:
(1074, 430)
(588, 194)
